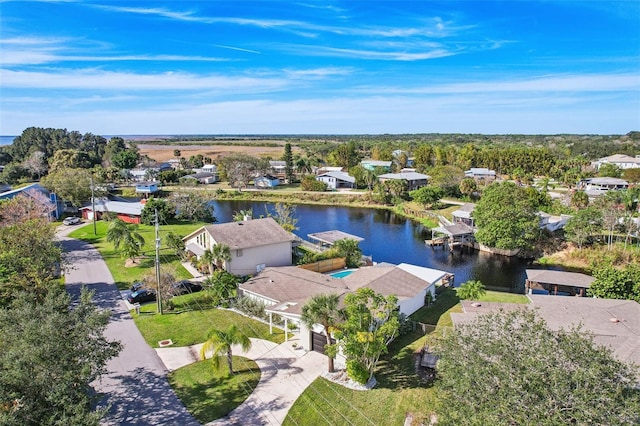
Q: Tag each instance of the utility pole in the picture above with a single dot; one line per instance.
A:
(93, 207)
(158, 294)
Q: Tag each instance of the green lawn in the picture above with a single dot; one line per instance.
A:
(501, 297)
(125, 276)
(189, 327)
(209, 393)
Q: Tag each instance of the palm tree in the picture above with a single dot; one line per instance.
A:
(323, 309)
(221, 254)
(208, 258)
(304, 166)
(472, 289)
(219, 343)
(126, 236)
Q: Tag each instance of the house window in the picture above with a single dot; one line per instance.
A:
(239, 253)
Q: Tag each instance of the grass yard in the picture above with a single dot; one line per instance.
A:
(210, 393)
(191, 327)
(125, 276)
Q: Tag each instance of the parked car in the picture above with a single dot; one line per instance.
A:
(137, 286)
(71, 220)
(141, 296)
(185, 287)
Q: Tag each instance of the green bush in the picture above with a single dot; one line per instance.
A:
(250, 307)
(358, 372)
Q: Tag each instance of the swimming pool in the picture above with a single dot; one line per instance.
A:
(342, 274)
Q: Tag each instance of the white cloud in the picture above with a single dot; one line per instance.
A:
(551, 83)
(479, 113)
(108, 80)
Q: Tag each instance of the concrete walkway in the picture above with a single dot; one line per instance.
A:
(285, 373)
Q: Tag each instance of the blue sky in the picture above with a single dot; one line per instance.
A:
(320, 67)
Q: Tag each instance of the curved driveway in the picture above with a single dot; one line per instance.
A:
(135, 388)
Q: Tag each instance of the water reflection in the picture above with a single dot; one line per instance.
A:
(394, 239)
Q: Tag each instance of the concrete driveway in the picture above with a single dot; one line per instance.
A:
(285, 373)
(135, 388)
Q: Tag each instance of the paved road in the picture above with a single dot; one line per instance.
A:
(136, 387)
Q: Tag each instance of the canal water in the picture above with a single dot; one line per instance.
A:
(394, 239)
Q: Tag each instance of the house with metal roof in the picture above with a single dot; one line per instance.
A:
(56, 205)
(337, 180)
(599, 185)
(129, 212)
(254, 244)
(414, 180)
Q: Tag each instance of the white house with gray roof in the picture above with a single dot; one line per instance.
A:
(254, 244)
(285, 290)
(335, 180)
(619, 160)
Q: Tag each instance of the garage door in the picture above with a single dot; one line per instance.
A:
(318, 340)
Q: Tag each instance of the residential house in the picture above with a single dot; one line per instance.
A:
(619, 160)
(599, 185)
(414, 180)
(175, 163)
(266, 181)
(201, 177)
(56, 207)
(147, 188)
(254, 244)
(142, 173)
(326, 169)
(478, 173)
(337, 180)
(374, 164)
(129, 212)
(209, 168)
(278, 167)
(553, 222)
(286, 290)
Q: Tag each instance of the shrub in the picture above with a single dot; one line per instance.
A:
(250, 307)
(357, 371)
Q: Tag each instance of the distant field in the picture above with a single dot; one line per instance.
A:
(214, 150)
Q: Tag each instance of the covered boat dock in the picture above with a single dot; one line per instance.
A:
(329, 238)
(557, 282)
(457, 235)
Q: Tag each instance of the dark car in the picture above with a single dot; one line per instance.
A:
(141, 296)
(185, 287)
(137, 286)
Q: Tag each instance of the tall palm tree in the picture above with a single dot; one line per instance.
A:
(219, 342)
(209, 259)
(221, 254)
(323, 309)
(126, 238)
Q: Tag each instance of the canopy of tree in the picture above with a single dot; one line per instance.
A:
(505, 217)
(50, 355)
(511, 369)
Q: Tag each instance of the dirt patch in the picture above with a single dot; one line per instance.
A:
(130, 263)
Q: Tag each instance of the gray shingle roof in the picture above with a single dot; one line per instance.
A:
(249, 233)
